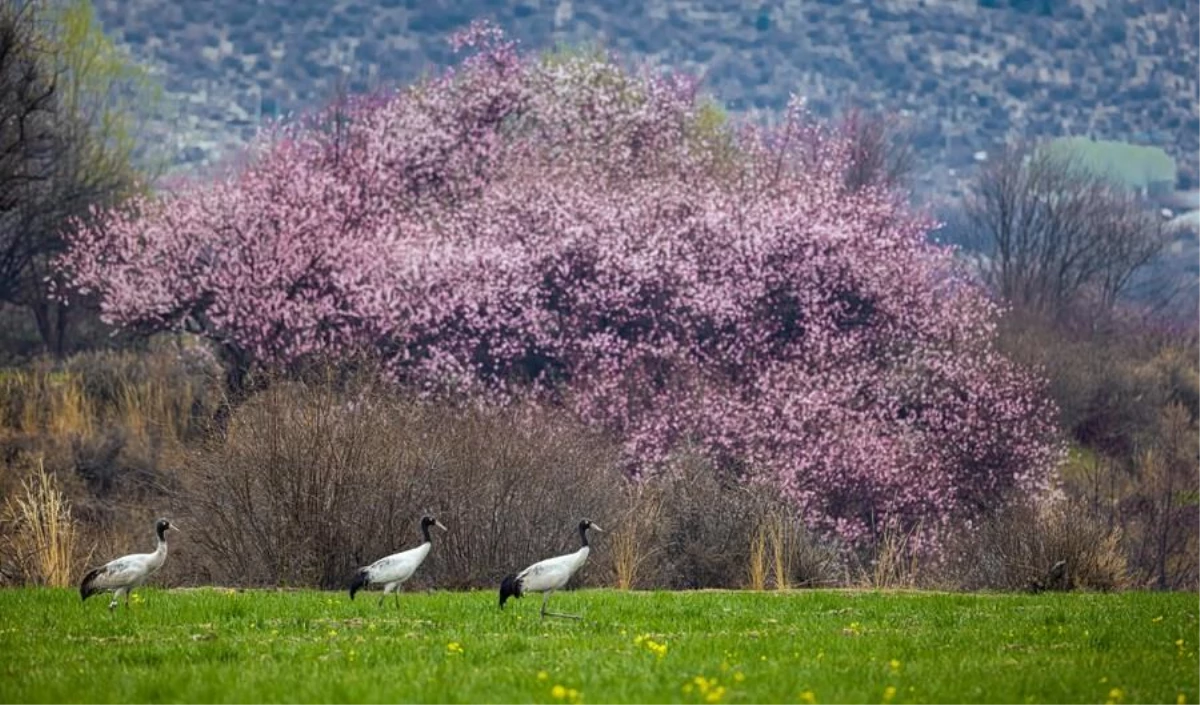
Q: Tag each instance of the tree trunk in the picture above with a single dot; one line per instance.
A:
(61, 327)
(1164, 519)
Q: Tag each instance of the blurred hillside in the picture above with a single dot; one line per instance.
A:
(961, 74)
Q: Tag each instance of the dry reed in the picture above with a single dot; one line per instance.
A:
(44, 536)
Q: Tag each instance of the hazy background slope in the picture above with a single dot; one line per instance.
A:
(963, 74)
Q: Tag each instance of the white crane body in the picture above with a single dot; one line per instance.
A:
(124, 574)
(393, 570)
(548, 575)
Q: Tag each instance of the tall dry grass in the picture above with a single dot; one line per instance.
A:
(41, 401)
(42, 536)
(895, 563)
(159, 397)
(756, 565)
(772, 549)
(633, 545)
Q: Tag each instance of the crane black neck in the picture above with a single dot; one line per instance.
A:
(583, 535)
(425, 532)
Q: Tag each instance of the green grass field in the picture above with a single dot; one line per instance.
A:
(214, 645)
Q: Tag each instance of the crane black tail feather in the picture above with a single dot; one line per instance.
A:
(86, 588)
(509, 587)
(360, 581)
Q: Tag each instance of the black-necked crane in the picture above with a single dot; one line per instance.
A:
(396, 568)
(548, 575)
(126, 573)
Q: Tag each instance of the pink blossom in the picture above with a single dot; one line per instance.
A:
(557, 232)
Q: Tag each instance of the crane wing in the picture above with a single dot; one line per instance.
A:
(398, 566)
(549, 574)
(119, 572)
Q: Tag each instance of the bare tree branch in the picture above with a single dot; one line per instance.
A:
(880, 155)
(1053, 235)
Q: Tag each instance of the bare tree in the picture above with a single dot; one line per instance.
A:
(66, 143)
(1053, 234)
(880, 154)
(29, 144)
(1165, 503)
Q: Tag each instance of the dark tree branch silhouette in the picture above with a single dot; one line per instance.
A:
(1054, 236)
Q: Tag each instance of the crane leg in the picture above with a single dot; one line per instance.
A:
(545, 597)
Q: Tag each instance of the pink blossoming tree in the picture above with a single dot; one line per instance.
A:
(560, 231)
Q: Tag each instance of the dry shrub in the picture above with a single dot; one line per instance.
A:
(800, 558)
(704, 529)
(1053, 547)
(40, 537)
(162, 396)
(313, 480)
(894, 562)
(1160, 513)
(110, 416)
(785, 554)
(1102, 393)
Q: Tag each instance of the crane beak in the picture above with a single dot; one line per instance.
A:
(439, 525)
(596, 527)
(173, 527)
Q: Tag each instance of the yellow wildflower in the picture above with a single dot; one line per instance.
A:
(653, 646)
(709, 688)
(1114, 696)
(454, 648)
(894, 664)
(542, 675)
(739, 676)
(564, 693)
(1180, 699)
(889, 693)
(809, 697)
